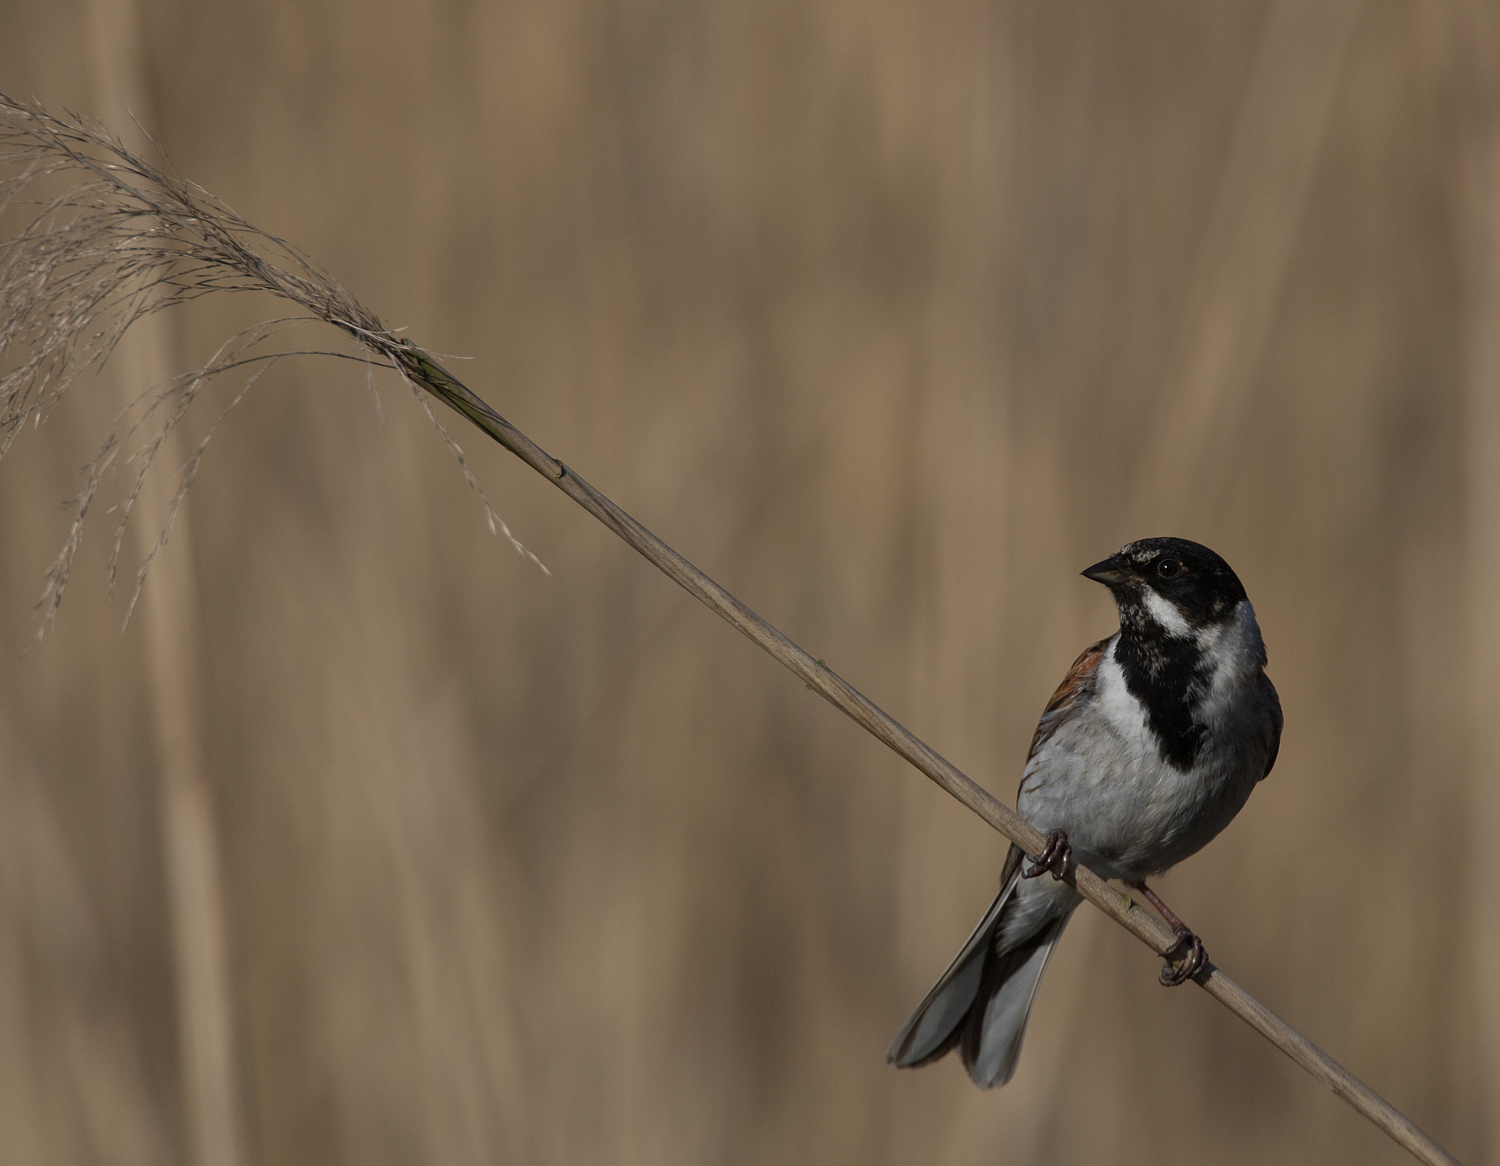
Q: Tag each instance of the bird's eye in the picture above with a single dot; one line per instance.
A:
(1168, 568)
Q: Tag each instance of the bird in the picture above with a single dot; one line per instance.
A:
(1149, 747)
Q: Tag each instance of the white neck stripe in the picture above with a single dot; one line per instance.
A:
(1165, 613)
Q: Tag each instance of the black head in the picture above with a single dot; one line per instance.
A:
(1188, 575)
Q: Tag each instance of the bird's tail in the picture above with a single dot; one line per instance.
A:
(982, 1002)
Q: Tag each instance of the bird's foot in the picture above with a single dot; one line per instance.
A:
(1056, 856)
(1189, 949)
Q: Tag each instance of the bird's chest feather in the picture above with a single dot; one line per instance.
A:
(1138, 789)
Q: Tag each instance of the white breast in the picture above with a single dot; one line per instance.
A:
(1121, 710)
(1101, 777)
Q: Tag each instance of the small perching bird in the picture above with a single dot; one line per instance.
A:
(1147, 749)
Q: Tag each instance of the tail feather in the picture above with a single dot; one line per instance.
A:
(982, 1002)
(990, 1042)
(938, 1022)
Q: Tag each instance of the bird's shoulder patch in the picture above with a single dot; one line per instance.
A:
(1078, 683)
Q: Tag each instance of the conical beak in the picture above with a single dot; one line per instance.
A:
(1110, 571)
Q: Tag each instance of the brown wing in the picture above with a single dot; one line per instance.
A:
(1268, 691)
(1078, 682)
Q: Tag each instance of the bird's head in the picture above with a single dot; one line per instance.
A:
(1181, 585)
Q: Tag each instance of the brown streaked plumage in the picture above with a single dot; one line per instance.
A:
(1078, 682)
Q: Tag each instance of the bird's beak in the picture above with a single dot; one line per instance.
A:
(1110, 571)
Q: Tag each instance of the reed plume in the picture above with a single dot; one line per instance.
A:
(124, 238)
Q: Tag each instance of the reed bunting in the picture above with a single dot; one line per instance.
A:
(1149, 747)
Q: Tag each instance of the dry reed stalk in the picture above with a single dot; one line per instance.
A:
(206, 1030)
(1243, 256)
(1468, 38)
(129, 240)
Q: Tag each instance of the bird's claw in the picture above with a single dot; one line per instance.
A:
(1188, 948)
(1056, 856)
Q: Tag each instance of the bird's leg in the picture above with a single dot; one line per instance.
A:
(1194, 957)
(1056, 856)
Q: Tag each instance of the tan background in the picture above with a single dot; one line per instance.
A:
(892, 315)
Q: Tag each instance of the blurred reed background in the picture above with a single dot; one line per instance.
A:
(369, 843)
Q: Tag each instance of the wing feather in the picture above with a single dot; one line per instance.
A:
(1268, 691)
(1078, 683)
